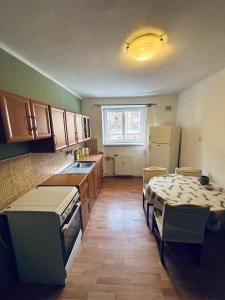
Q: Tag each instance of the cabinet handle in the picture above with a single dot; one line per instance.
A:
(29, 120)
(55, 139)
(35, 123)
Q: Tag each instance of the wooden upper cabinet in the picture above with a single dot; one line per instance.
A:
(41, 120)
(86, 128)
(58, 128)
(71, 128)
(79, 126)
(16, 117)
(23, 119)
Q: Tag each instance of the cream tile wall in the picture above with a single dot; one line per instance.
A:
(19, 175)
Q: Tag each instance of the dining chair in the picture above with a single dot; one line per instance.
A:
(188, 171)
(183, 223)
(148, 195)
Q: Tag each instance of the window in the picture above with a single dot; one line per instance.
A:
(123, 125)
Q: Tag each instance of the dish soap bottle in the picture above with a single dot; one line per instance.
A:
(77, 154)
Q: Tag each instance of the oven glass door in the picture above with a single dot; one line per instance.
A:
(70, 231)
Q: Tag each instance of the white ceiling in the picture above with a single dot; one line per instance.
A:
(80, 43)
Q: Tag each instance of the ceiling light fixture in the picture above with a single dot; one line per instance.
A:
(145, 46)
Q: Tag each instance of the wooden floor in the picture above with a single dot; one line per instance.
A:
(118, 258)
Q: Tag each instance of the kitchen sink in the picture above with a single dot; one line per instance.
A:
(83, 164)
(83, 167)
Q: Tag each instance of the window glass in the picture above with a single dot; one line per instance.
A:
(123, 125)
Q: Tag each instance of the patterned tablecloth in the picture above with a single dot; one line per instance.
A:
(187, 189)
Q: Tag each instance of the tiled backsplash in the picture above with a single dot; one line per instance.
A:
(19, 175)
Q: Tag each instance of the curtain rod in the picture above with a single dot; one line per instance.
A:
(137, 104)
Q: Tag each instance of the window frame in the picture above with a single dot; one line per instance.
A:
(123, 108)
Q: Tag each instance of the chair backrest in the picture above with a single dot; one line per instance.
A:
(158, 203)
(184, 223)
(188, 171)
(150, 172)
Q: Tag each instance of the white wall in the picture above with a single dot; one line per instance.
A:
(160, 117)
(201, 113)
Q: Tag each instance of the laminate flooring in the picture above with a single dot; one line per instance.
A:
(118, 258)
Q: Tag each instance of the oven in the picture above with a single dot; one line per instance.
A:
(70, 227)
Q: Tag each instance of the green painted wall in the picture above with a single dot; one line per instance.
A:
(18, 78)
(10, 150)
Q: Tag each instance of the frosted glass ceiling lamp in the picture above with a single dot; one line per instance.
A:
(145, 46)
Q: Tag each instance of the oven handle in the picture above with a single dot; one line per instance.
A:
(66, 226)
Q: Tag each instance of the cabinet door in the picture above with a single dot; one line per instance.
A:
(16, 116)
(99, 175)
(41, 120)
(79, 126)
(101, 170)
(59, 128)
(84, 119)
(161, 134)
(95, 171)
(160, 155)
(91, 190)
(88, 128)
(85, 212)
(71, 128)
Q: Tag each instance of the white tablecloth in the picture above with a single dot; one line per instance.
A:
(187, 189)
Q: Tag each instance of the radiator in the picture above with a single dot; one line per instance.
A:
(124, 165)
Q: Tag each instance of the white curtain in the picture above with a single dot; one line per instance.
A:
(148, 123)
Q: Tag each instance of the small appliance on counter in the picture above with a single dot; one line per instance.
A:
(45, 226)
(86, 151)
(80, 153)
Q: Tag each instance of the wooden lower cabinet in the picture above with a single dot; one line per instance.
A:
(84, 199)
(88, 185)
(85, 213)
(95, 180)
(91, 190)
(100, 173)
(98, 176)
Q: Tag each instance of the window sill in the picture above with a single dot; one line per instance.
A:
(118, 145)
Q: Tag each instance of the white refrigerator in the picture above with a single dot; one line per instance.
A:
(164, 146)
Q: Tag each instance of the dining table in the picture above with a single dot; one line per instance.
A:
(188, 190)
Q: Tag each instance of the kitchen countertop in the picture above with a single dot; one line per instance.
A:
(65, 180)
(70, 179)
